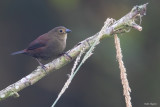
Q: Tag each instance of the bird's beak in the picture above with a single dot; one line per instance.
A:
(68, 31)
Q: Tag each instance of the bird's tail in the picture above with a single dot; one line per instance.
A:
(18, 52)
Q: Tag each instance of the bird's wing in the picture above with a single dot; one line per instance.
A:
(38, 43)
(35, 46)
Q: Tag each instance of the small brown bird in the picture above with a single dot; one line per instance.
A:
(48, 45)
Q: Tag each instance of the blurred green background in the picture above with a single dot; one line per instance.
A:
(98, 83)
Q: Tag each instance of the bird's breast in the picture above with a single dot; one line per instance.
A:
(56, 47)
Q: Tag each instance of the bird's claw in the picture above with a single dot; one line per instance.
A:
(43, 68)
(66, 55)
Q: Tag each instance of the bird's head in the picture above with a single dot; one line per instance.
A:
(60, 32)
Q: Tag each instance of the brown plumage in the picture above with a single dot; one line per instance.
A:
(48, 45)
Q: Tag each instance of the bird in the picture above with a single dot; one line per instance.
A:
(47, 46)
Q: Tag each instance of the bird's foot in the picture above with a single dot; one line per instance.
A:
(41, 65)
(68, 56)
(43, 68)
(65, 53)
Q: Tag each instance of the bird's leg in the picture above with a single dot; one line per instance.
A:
(65, 53)
(43, 67)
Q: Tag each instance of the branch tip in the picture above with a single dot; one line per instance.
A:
(141, 9)
(136, 26)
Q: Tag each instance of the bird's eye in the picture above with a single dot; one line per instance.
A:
(60, 31)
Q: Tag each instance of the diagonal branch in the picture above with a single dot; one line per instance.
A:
(121, 26)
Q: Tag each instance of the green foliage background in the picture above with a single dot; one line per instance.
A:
(98, 82)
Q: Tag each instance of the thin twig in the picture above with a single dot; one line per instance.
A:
(66, 85)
